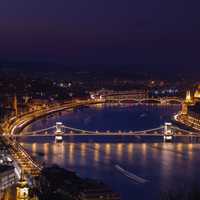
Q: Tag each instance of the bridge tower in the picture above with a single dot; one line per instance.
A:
(22, 190)
(168, 132)
(59, 132)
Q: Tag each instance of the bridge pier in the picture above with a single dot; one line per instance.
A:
(168, 133)
(59, 132)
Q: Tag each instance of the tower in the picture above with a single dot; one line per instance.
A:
(59, 132)
(22, 190)
(168, 128)
(168, 133)
(188, 101)
(15, 105)
(188, 98)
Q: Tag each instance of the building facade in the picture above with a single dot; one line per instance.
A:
(190, 113)
(8, 178)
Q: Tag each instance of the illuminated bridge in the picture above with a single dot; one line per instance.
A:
(133, 96)
(124, 98)
(61, 130)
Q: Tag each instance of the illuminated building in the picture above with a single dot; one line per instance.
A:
(7, 177)
(188, 101)
(110, 95)
(193, 108)
(197, 93)
(190, 113)
(188, 98)
(22, 190)
(37, 104)
(15, 105)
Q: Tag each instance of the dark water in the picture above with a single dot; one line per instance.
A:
(165, 165)
(111, 117)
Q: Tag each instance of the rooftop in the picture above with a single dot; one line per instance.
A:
(4, 168)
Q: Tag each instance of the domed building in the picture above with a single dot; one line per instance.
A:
(188, 101)
(190, 114)
(197, 94)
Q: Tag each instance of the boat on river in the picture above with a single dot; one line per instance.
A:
(130, 175)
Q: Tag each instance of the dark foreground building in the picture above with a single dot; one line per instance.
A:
(98, 193)
(7, 178)
(56, 183)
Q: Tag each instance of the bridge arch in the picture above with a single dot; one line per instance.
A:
(173, 101)
(150, 101)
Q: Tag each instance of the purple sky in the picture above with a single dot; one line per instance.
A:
(107, 32)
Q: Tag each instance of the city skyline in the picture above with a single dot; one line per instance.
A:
(99, 99)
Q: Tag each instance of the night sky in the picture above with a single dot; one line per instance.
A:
(150, 33)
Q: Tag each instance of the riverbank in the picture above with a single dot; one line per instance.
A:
(58, 183)
(188, 122)
(16, 125)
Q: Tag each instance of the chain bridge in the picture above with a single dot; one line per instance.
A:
(60, 129)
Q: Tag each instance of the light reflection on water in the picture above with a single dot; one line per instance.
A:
(164, 164)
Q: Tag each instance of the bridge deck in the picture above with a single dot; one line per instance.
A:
(66, 130)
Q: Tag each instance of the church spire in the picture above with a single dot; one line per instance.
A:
(188, 98)
(15, 105)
